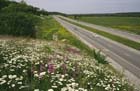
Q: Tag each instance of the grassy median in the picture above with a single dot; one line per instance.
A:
(116, 38)
(128, 24)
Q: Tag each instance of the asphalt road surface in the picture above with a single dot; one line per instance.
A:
(117, 32)
(127, 57)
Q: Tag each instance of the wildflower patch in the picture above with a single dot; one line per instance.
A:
(49, 66)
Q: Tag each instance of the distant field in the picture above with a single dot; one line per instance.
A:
(130, 24)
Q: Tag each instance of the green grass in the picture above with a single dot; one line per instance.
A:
(119, 39)
(129, 24)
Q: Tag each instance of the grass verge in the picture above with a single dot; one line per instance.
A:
(119, 39)
(50, 28)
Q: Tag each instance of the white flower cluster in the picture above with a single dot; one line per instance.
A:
(49, 66)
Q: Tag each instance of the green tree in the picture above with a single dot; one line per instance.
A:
(3, 3)
(18, 24)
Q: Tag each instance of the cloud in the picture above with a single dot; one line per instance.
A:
(87, 6)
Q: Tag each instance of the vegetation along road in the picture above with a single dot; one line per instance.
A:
(123, 55)
(118, 32)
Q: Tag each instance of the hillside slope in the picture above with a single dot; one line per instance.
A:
(37, 65)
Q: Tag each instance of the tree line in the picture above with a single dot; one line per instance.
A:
(127, 14)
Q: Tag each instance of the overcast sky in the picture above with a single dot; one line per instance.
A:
(87, 6)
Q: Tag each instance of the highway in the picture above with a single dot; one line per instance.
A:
(127, 57)
(113, 31)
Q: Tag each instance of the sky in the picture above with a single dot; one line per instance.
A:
(87, 6)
